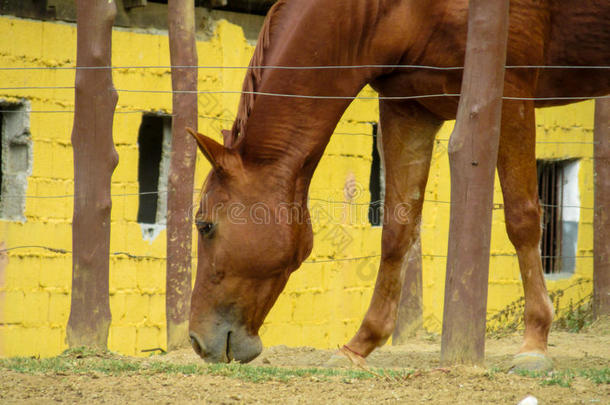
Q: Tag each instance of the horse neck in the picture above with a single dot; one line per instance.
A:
(292, 132)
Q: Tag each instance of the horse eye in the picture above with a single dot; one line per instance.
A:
(206, 228)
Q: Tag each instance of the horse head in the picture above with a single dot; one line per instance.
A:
(250, 240)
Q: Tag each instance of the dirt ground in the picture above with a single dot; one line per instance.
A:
(429, 383)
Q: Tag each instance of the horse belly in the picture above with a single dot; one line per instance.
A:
(579, 36)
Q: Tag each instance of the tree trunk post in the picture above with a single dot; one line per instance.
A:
(601, 220)
(473, 151)
(410, 308)
(183, 52)
(94, 161)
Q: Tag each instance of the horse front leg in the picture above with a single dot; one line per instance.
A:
(406, 143)
(517, 172)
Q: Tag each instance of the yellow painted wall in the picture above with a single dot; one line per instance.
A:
(324, 301)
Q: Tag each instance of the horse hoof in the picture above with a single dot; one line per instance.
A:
(338, 360)
(531, 361)
(345, 358)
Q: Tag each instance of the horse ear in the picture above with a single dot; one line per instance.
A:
(212, 150)
(227, 137)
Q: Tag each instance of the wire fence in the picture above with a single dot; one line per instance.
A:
(313, 261)
(307, 96)
(260, 93)
(496, 206)
(280, 67)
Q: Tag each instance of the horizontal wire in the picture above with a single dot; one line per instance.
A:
(197, 192)
(72, 111)
(546, 142)
(304, 96)
(285, 95)
(341, 260)
(279, 67)
(130, 255)
(38, 88)
(575, 98)
(232, 120)
(55, 250)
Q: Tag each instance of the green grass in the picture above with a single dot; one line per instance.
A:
(564, 378)
(87, 362)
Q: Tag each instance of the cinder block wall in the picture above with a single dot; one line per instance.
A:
(324, 301)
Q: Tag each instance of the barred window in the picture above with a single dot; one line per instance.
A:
(560, 199)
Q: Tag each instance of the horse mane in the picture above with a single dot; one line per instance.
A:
(253, 77)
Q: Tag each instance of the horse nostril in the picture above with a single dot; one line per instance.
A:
(228, 351)
(196, 345)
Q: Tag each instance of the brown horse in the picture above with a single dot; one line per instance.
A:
(269, 157)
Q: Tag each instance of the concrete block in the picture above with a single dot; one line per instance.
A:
(315, 335)
(58, 42)
(122, 339)
(283, 309)
(135, 49)
(321, 308)
(123, 275)
(289, 334)
(156, 315)
(47, 341)
(147, 337)
(11, 307)
(118, 307)
(36, 307)
(42, 163)
(303, 308)
(22, 273)
(56, 273)
(17, 341)
(118, 243)
(137, 308)
(30, 37)
(63, 161)
(125, 129)
(126, 171)
(130, 203)
(59, 309)
(150, 276)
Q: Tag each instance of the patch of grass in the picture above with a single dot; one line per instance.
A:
(492, 372)
(64, 365)
(577, 316)
(161, 367)
(86, 362)
(260, 374)
(598, 376)
(564, 378)
(79, 361)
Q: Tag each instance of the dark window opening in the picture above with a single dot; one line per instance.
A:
(559, 199)
(15, 159)
(241, 6)
(1, 155)
(375, 184)
(151, 139)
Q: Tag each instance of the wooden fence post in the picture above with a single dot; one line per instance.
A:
(473, 152)
(94, 161)
(183, 52)
(601, 220)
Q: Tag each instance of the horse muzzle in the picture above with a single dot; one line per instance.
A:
(226, 345)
